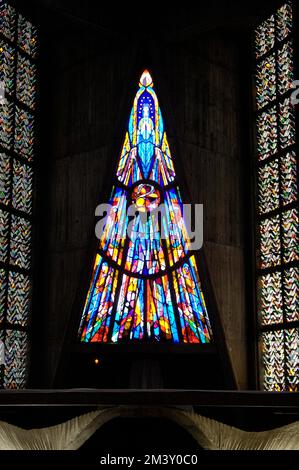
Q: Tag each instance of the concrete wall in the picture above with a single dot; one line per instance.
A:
(91, 79)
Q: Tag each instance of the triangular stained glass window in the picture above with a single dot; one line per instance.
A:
(145, 287)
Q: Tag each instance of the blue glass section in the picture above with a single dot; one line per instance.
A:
(146, 131)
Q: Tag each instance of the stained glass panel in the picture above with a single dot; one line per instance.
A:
(266, 81)
(292, 359)
(158, 324)
(285, 68)
(291, 293)
(4, 179)
(112, 239)
(273, 360)
(162, 171)
(2, 294)
(16, 346)
(267, 132)
(289, 189)
(270, 298)
(270, 249)
(18, 73)
(27, 36)
(278, 234)
(144, 286)
(264, 37)
(4, 232)
(18, 301)
(6, 124)
(287, 123)
(7, 67)
(24, 133)
(129, 320)
(128, 170)
(284, 21)
(7, 20)
(177, 241)
(290, 229)
(268, 186)
(20, 242)
(22, 187)
(161, 321)
(98, 307)
(145, 252)
(26, 82)
(195, 328)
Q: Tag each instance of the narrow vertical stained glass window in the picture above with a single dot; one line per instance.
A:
(277, 203)
(18, 46)
(145, 287)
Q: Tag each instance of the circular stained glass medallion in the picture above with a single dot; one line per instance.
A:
(146, 197)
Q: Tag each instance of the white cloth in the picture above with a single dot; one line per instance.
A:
(213, 435)
(70, 435)
(209, 434)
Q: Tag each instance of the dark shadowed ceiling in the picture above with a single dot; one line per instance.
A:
(149, 19)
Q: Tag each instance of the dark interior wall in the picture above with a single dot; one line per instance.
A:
(205, 102)
(88, 80)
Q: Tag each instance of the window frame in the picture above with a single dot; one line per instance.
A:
(276, 157)
(11, 376)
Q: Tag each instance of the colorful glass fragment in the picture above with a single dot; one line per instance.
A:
(268, 186)
(8, 17)
(264, 37)
(16, 349)
(26, 81)
(4, 179)
(289, 189)
(98, 307)
(290, 232)
(20, 242)
(27, 36)
(3, 285)
(272, 345)
(22, 187)
(7, 67)
(285, 66)
(4, 234)
(284, 20)
(24, 133)
(19, 290)
(6, 124)
(292, 359)
(266, 81)
(270, 298)
(287, 123)
(291, 293)
(267, 133)
(270, 249)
